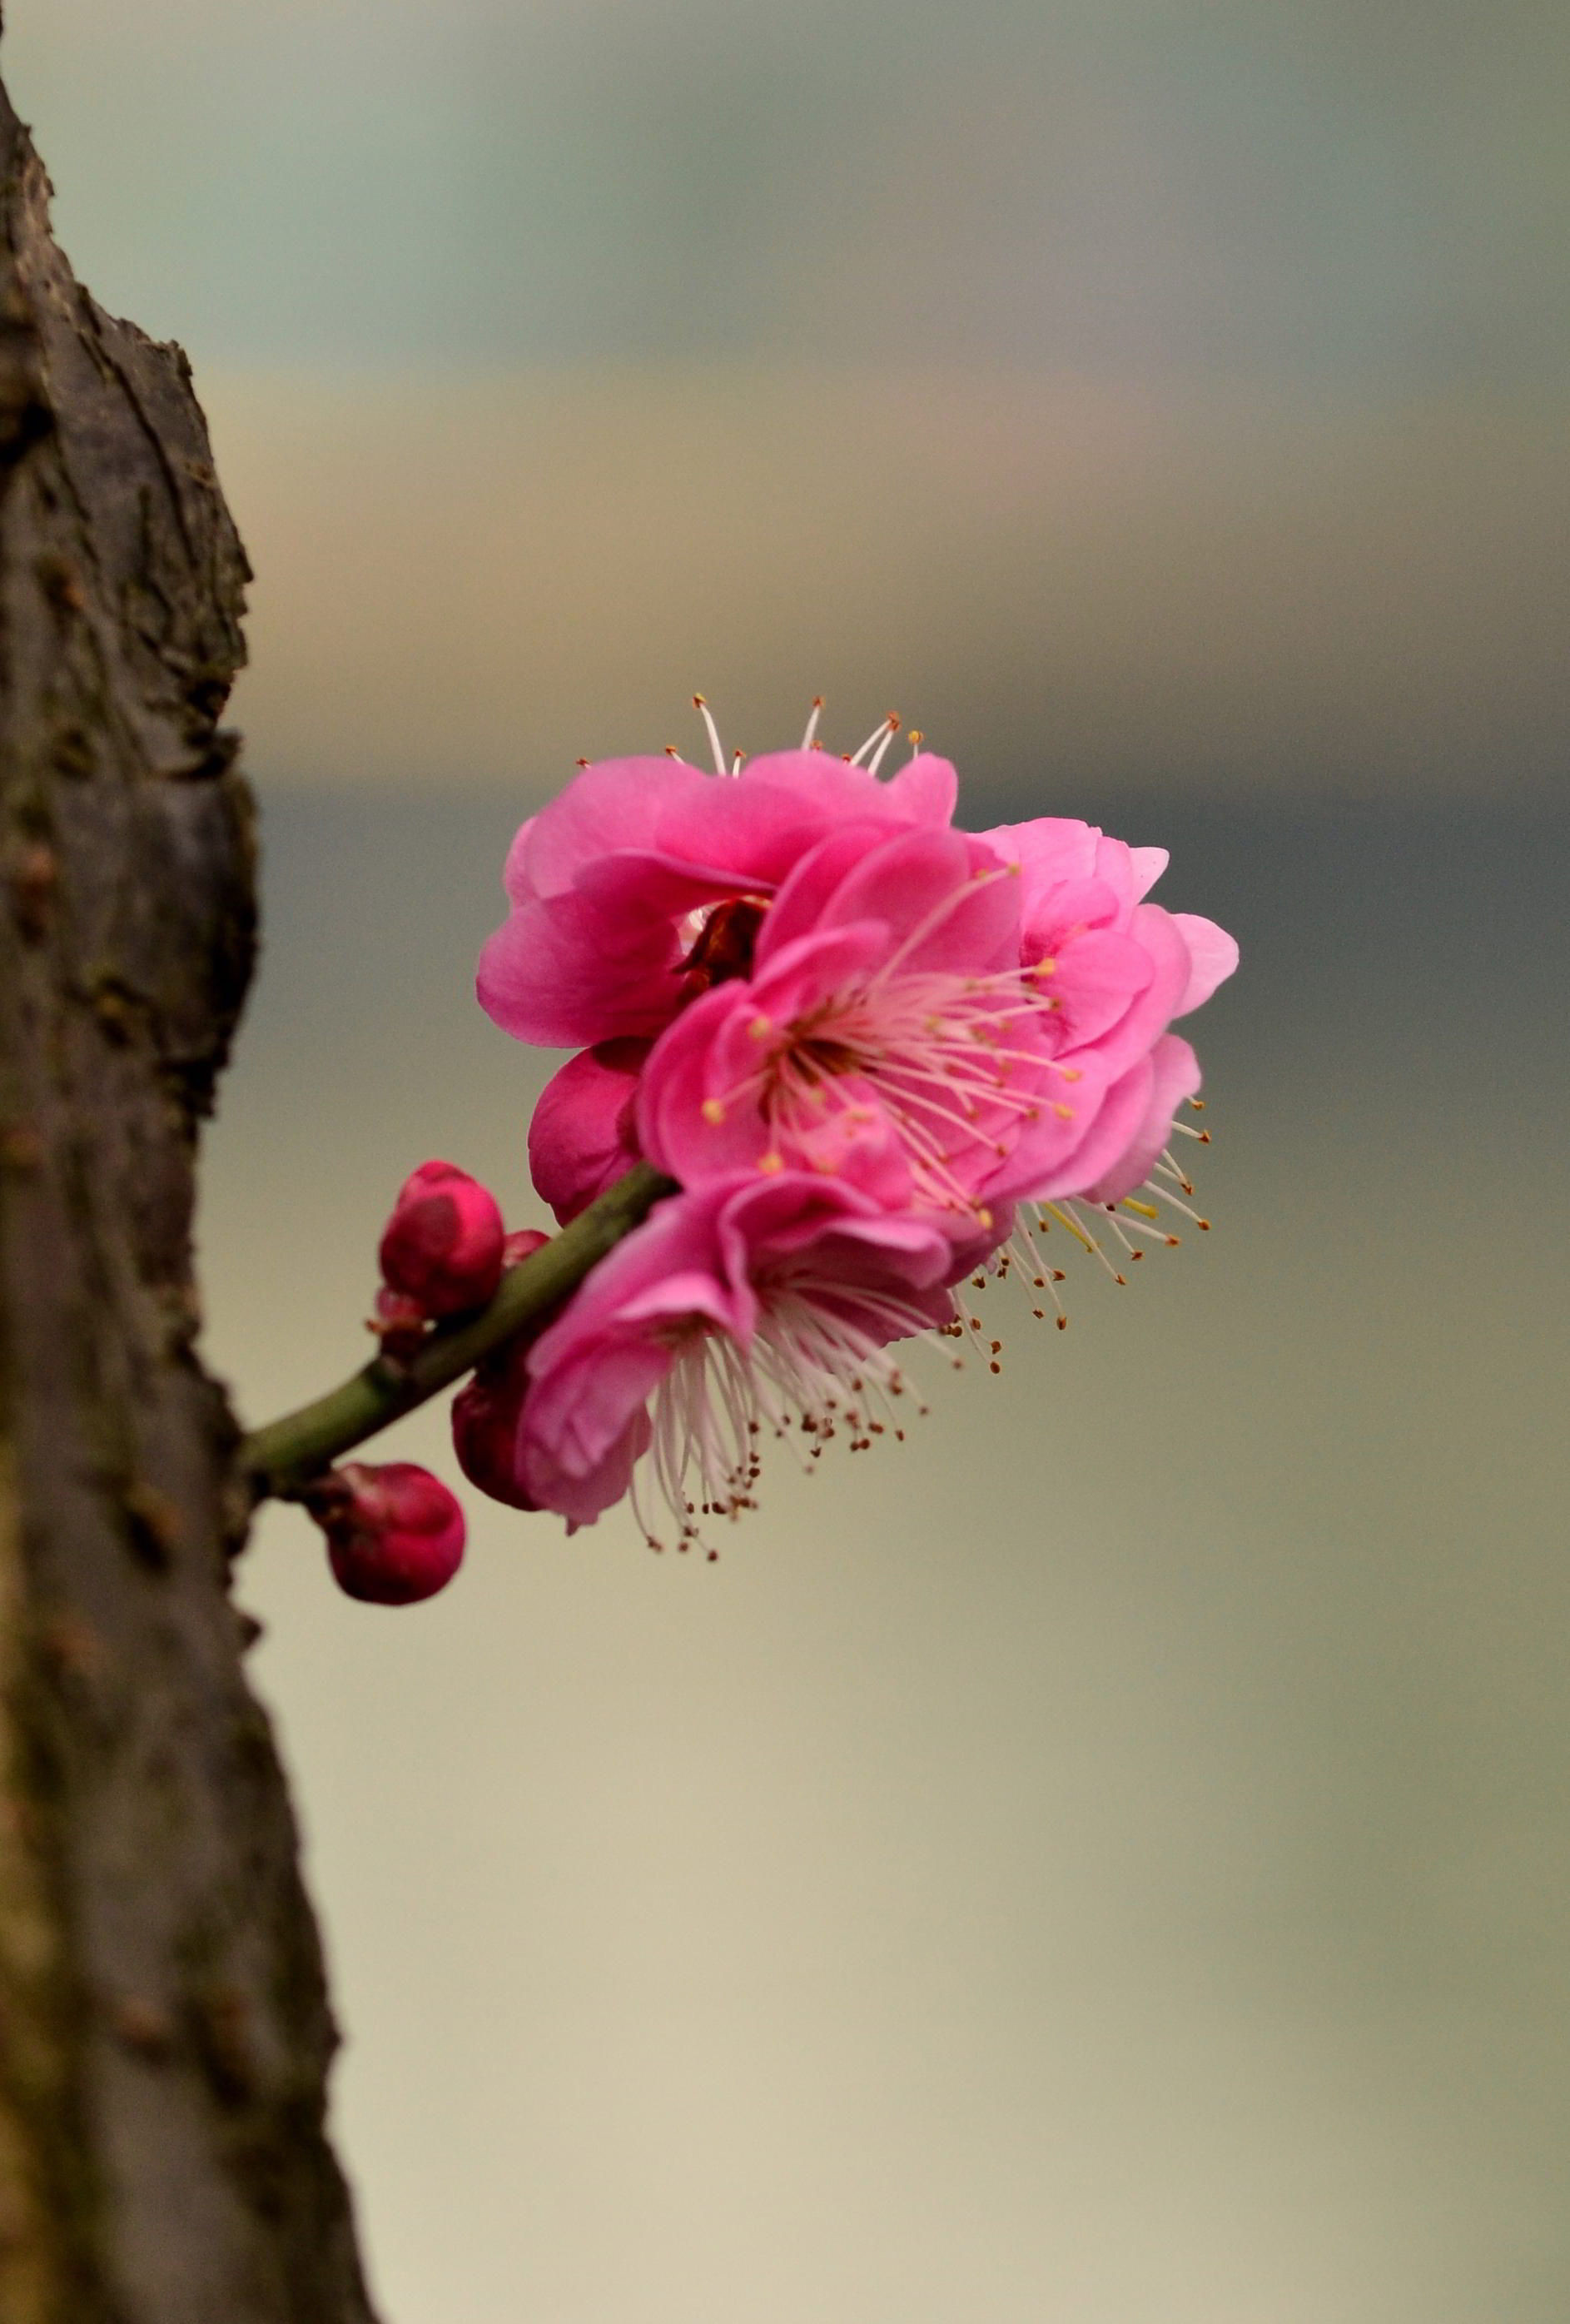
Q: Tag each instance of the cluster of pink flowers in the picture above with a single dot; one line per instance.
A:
(859, 1041)
(866, 1046)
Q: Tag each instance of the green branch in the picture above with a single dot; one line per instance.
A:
(283, 1457)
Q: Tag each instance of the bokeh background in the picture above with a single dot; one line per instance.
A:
(1105, 1862)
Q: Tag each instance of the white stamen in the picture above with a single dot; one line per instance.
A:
(1202, 1223)
(884, 731)
(721, 766)
(807, 1359)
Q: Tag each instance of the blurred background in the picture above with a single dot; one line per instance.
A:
(1107, 1860)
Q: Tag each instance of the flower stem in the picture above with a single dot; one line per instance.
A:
(282, 1458)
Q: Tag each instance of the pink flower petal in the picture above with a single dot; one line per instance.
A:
(1213, 956)
(582, 1137)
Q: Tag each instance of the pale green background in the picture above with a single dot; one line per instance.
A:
(1105, 1862)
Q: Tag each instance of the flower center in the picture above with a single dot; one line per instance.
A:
(723, 945)
(956, 1064)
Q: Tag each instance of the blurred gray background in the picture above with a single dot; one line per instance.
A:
(1106, 1861)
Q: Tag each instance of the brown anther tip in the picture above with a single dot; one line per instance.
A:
(1197, 1103)
(1040, 1314)
(997, 1347)
(1062, 1322)
(995, 1368)
(1204, 1138)
(1120, 1278)
(1203, 1225)
(892, 722)
(580, 762)
(698, 702)
(1136, 1254)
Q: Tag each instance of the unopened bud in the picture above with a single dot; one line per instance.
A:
(395, 1534)
(443, 1243)
(485, 1419)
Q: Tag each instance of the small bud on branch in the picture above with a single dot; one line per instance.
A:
(282, 1458)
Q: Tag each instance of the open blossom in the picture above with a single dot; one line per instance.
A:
(972, 1019)
(889, 1014)
(625, 889)
(875, 1052)
(1117, 971)
(738, 1309)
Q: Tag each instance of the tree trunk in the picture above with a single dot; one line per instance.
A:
(164, 2030)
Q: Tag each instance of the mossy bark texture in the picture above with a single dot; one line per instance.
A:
(164, 2028)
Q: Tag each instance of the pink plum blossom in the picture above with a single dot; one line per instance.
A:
(976, 1019)
(864, 1043)
(728, 1312)
(611, 885)
(1118, 970)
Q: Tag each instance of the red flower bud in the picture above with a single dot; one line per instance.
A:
(443, 1243)
(395, 1534)
(485, 1415)
(485, 1410)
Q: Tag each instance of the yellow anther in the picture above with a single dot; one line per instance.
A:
(1064, 1112)
(1075, 1229)
(712, 1112)
(761, 1028)
(771, 1164)
(1146, 1210)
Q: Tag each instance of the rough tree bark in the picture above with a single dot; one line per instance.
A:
(164, 2030)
